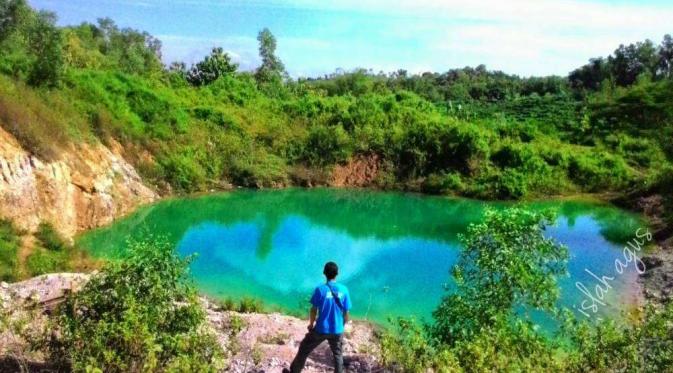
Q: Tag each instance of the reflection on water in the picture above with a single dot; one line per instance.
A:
(394, 250)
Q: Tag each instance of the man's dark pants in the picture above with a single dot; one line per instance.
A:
(310, 342)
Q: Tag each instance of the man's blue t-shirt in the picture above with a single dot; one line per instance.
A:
(330, 317)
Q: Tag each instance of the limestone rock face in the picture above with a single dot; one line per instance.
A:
(85, 187)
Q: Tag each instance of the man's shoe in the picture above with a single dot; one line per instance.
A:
(285, 370)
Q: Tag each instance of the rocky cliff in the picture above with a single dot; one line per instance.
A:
(86, 186)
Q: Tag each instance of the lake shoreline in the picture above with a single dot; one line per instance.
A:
(242, 223)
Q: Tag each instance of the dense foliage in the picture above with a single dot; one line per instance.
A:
(467, 131)
(508, 269)
(140, 314)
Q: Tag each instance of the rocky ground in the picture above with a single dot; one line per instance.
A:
(657, 279)
(268, 342)
(257, 342)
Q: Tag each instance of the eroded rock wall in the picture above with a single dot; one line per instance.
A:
(85, 187)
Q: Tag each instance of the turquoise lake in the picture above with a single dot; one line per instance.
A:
(394, 250)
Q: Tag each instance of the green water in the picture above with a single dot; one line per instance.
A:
(394, 250)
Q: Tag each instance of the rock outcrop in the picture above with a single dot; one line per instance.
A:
(87, 186)
(358, 172)
(657, 279)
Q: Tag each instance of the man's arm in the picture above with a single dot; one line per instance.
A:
(346, 317)
(311, 318)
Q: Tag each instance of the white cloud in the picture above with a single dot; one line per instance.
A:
(528, 37)
(190, 49)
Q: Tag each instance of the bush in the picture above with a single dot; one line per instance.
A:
(45, 43)
(10, 242)
(511, 184)
(140, 314)
(243, 305)
(259, 170)
(406, 348)
(327, 145)
(433, 147)
(599, 171)
(50, 238)
(42, 261)
(183, 172)
(645, 346)
(443, 183)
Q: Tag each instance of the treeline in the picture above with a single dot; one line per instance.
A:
(469, 131)
(626, 65)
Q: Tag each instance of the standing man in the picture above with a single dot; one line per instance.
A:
(330, 303)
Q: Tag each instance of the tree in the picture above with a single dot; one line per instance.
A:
(211, 68)
(132, 51)
(589, 76)
(45, 44)
(665, 63)
(630, 61)
(271, 68)
(12, 14)
(506, 262)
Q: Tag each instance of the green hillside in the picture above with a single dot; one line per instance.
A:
(469, 131)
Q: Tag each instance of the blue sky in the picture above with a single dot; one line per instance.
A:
(525, 37)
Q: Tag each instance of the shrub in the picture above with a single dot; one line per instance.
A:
(646, 345)
(511, 184)
(327, 145)
(599, 171)
(183, 172)
(243, 305)
(443, 183)
(509, 346)
(139, 314)
(435, 147)
(259, 169)
(10, 241)
(50, 238)
(406, 348)
(42, 261)
(45, 43)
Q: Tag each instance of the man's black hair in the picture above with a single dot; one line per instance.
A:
(331, 270)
